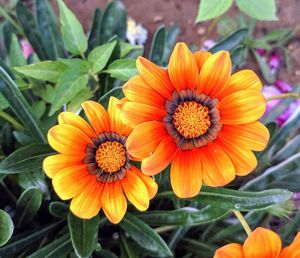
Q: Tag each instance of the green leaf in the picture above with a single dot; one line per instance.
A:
(84, 234)
(46, 71)
(126, 48)
(72, 31)
(100, 55)
(116, 92)
(39, 108)
(3, 102)
(127, 248)
(259, 9)
(27, 239)
(95, 35)
(25, 159)
(228, 199)
(230, 42)
(31, 30)
(172, 35)
(20, 106)
(49, 30)
(28, 205)
(59, 209)
(6, 227)
(286, 174)
(114, 22)
(144, 236)
(226, 25)
(185, 216)
(57, 248)
(264, 68)
(209, 9)
(158, 45)
(69, 85)
(83, 95)
(122, 69)
(16, 57)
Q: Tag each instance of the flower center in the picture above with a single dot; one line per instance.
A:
(110, 156)
(191, 119)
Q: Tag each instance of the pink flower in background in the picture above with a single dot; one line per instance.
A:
(208, 44)
(283, 86)
(27, 49)
(274, 62)
(260, 51)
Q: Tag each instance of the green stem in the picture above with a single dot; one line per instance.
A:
(243, 222)
(164, 229)
(283, 96)
(10, 119)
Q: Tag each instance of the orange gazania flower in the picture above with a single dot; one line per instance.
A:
(93, 167)
(197, 116)
(262, 243)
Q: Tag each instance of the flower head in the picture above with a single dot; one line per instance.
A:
(136, 33)
(197, 116)
(27, 49)
(262, 243)
(93, 167)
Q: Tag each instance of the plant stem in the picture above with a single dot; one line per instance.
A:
(243, 222)
(211, 28)
(165, 228)
(10, 119)
(283, 96)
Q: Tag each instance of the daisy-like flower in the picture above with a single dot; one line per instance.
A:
(262, 243)
(197, 116)
(93, 167)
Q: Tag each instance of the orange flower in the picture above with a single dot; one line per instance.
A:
(93, 167)
(262, 243)
(197, 116)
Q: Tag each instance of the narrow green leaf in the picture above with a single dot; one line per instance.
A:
(158, 46)
(25, 159)
(209, 9)
(83, 95)
(59, 209)
(188, 216)
(69, 85)
(31, 30)
(264, 67)
(3, 102)
(27, 206)
(116, 92)
(6, 227)
(46, 71)
(128, 250)
(72, 31)
(231, 42)
(259, 9)
(126, 48)
(114, 22)
(58, 248)
(100, 56)
(287, 151)
(95, 36)
(122, 69)
(49, 30)
(20, 106)
(172, 36)
(144, 236)
(84, 234)
(16, 57)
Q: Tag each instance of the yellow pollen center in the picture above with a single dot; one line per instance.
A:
(111, 156)
(191, 119)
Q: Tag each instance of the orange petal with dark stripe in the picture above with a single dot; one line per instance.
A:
(242, 107)
(77, 121)
(71, 181)
(148, 181)
(217, 168)
(137, 90)
(161, 157)
(97, 116)
(182, 68)
(186, 173)
(114, 203)
(201, 57)
(116, 123)
(145, 138)
(68, 139)
(135, 191)
(156, 77)
(134, 113)
(230, 251)
(293, 250)
(87, 204)
(215, 74)
(53, 164)
(262, 243)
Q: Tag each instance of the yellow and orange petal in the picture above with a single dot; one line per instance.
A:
(205, 109)
(93, 166)
(262, 243)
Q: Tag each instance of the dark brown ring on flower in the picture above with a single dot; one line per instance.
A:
(206, 133)
(92, 157)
